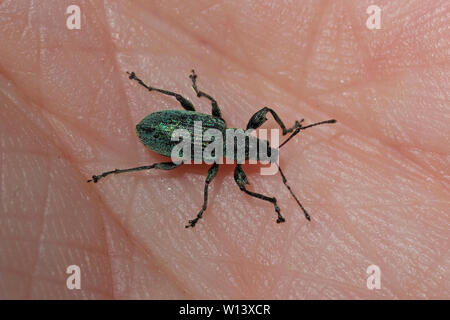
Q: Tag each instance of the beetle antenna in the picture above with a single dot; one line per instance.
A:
(296, 131)
(292, 193)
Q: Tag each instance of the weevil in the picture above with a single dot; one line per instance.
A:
(155, 132)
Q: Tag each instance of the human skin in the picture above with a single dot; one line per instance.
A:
(376, 184)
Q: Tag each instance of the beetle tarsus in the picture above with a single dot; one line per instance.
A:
(94, 179)
(132, 75)
(193, 75)
(281, 219)
(192, 223)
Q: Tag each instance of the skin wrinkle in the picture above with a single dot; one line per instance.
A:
(394, 149)
(362, 45)
(209, 226)
(137, 244)
(55, 143)
(83, 132)
(116, 66)
(368, 248)
(312, 42)
(144, 247)
(369, 82)
(38, 251)
(36, 257)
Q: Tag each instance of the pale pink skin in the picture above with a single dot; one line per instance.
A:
(376, 184)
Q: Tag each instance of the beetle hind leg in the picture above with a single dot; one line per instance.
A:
(215, 107)
(212, 172)
(161, 166)
(185, 103)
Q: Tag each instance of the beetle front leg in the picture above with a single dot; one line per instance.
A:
(258, 119)
(212, 172)
(161, 166)
(215, 107)
(283, 178)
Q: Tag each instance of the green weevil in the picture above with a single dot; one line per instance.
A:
(155, 132)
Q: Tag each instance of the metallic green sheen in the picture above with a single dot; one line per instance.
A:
(155, 130)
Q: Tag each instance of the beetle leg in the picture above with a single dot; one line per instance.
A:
(241, 180)
(185, 103)
(212, 172)
(215, 108)
(161, 166)
(292, 193)
(258, 119)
